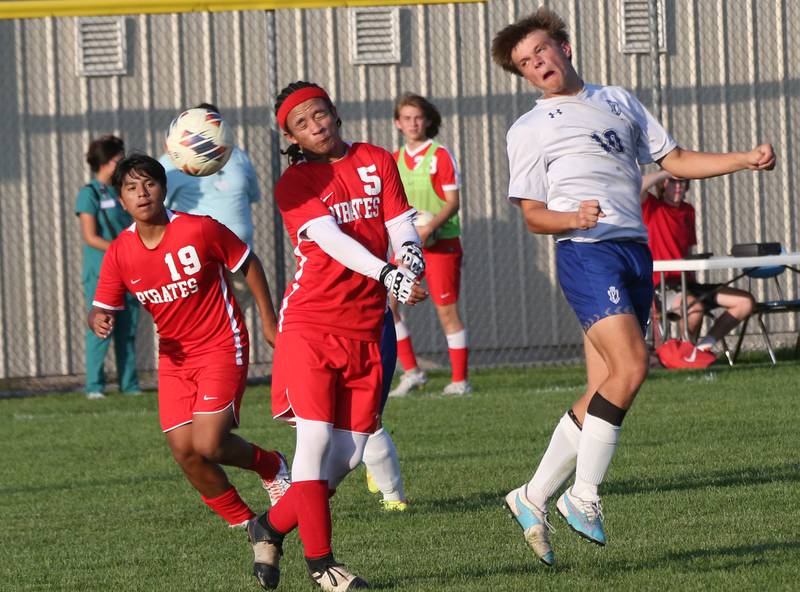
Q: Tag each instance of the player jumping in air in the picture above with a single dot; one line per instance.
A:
(341, 204)
(174, 264)
(574, 173)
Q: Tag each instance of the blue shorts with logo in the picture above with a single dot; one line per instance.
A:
(606, 278)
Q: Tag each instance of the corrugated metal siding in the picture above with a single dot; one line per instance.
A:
(729, 79)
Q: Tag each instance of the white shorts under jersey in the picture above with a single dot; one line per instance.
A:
(587, 146)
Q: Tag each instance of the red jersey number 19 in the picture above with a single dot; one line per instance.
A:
(188, 258)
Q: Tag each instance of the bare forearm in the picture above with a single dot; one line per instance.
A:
(543, 221)
(257, 283)
(702, 165)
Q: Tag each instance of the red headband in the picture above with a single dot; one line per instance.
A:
(297, 97)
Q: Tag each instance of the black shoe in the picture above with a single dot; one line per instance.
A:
(332, 576)
(267, 551)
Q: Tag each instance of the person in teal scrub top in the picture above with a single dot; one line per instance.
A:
(101, 220)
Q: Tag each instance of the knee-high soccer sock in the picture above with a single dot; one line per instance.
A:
(380, 456)
(459, 354)
(230, 507)
(314, 517)
(265, 463)
(724, 324)
(405, 351)
(557, 464)
(597, 445)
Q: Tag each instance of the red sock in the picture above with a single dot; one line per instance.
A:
(314, 520)
(230, 507)
(283, 515)
(405, 353)
(458, 362)
(265, 463)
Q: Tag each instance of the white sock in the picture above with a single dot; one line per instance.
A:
(457, 340)
(401, 330)
(595, 451)
(557, 464)
(380, 456)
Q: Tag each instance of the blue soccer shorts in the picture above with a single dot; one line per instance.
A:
(388, 355)
(606, 278)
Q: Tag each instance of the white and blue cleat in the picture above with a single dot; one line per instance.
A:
(583, 516)
(533, 521)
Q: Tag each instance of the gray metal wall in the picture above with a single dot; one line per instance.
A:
(729, 80)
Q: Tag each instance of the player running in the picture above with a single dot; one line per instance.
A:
(173, 263)
(341, 204)
(574, 172)
(430, 178)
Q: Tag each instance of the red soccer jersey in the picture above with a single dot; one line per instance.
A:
(444, 173)
(671, 233)
(362, 192)
(182, 284)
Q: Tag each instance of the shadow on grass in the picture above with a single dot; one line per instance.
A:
(707, 560)
(459, 505)
(132, 481)
(466, 574)
(788, 473)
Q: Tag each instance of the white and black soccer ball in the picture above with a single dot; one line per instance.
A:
(199, 142)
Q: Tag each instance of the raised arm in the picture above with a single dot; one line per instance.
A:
(702, 165)
(651, 180)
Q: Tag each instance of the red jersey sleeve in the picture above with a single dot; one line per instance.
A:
(446, 175)
(223, 245)
(110, 292)
(298, 202)
(395, 202)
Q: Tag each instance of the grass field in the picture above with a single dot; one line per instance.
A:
(704, 492)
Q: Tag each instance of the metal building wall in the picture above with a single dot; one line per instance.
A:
(729, 79)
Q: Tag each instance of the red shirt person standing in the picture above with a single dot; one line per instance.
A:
(342, 204)
(173, 263)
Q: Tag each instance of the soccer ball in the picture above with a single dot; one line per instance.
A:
(422, 219)
(199, 142)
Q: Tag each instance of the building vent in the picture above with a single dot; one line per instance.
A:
(375, 35)
(635, 17)
(102, 49)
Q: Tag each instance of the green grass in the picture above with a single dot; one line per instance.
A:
(704, 492)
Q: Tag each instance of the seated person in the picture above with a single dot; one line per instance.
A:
(671, 230)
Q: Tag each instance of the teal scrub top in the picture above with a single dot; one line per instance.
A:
(101, 202)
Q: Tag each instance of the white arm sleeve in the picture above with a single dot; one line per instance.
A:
(401, 230)
(347, 251)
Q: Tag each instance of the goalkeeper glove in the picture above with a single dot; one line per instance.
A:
(398, 281)
(410, 255)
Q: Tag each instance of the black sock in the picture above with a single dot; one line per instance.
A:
(604, 409)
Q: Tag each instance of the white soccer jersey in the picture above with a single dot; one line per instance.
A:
(587, 146)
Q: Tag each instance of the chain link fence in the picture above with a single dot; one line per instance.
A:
(723, 76)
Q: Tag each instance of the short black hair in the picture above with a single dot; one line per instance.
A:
(142, 165)
(209, 107)
(102, 150)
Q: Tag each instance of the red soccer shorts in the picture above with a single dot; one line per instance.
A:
(323, 377)
(182, 392)
(443, 270)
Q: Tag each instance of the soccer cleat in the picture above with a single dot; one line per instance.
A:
(394, 505)
(94, 396)
(583, 516)
(371, 485)
(409, 381)
(462, 387)
(277, 486)
(267, 552)
(335, 577)
(533, 521)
